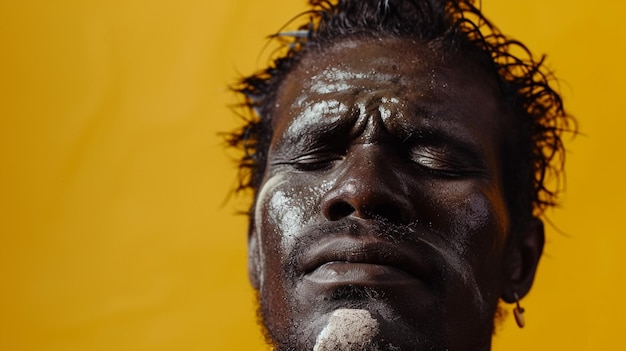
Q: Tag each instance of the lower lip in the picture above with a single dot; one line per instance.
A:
(359, 274)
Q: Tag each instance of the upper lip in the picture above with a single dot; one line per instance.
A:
(369, 250)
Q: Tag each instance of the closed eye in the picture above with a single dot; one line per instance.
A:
(312, 162)
(444, 164)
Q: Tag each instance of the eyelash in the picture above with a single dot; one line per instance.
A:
(451, 169)
(442, 167)
(438, 166)
(315, 162)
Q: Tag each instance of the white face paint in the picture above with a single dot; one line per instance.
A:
(385, 109)
(331, 110)
(348, 330)
(269, 185)
(286, 211)
(334, 80)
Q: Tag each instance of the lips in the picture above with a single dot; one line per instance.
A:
(364, 260)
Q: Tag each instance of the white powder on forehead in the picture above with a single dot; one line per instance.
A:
(393, 100)
(327, 88)
(348, 330)
(385, 113)
(333, 80)
(384, 108)
(330, 110)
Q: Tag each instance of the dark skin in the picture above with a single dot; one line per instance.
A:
(383, 193)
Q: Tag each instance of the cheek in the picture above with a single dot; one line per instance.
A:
(286, 205)
(470, 214)
(477, 226)
(285, 215)
(471, 226)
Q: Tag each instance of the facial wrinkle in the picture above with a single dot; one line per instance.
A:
(388, 107)
(367, 101)
(374, 115)
(399, 233)
(446, 249)
(461, 267)
(315, 113)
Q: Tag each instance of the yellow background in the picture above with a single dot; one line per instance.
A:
(115, 233)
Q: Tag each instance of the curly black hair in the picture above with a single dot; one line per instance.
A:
(455, 27)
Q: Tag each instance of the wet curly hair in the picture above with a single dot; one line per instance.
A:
(533, 158)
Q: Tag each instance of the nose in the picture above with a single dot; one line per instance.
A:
(370, 185)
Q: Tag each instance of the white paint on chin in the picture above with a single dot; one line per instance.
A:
(348, 330)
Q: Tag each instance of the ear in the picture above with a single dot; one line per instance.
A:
(525, 249)
(254, 257)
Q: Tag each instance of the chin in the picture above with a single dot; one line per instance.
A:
(360, 323)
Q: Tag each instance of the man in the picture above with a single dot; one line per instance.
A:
(397, 152)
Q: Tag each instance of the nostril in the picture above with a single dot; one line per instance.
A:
(339, 210)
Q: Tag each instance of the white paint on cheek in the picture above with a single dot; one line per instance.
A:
(289, 210)
(348, 330)
(287, 216)
(269, 185)
(296, 210)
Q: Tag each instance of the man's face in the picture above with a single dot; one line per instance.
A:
(381, 221)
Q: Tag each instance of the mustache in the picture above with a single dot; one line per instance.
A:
(378, 226)
(417, 235)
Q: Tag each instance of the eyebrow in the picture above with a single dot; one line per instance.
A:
(330, 126)
(319, 134)
(325, 131)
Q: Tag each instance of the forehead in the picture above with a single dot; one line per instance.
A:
(386, 76)
(362, 64)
